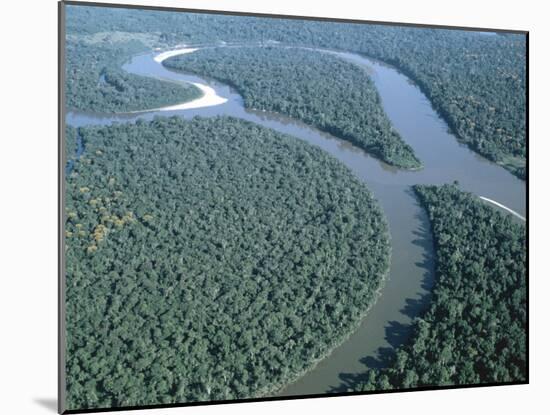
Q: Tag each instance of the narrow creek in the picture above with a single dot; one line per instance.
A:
(407, 289)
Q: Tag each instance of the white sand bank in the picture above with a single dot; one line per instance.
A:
(209, 96)
(208, 99)
(168, 54)
(500, 205)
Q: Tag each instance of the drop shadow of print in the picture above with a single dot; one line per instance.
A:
(49, 403)
(397, 333)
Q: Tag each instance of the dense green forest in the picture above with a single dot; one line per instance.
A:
(475, 328)
(192, 278)
(319, 89)
(476, 82)
(96, 82)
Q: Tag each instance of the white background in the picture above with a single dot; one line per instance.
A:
(28, 204)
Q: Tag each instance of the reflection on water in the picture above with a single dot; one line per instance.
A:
(411, 275)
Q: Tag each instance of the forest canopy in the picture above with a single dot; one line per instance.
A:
(474, 331)
(476, 82)
(319, 89)
(96, 82)
(191, 278)
(215, 259)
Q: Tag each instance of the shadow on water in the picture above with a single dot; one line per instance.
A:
(397, 333)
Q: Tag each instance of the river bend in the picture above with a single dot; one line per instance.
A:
(408, 286)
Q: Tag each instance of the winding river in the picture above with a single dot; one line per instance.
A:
(408, 286)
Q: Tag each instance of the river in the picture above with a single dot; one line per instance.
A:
(411, 276)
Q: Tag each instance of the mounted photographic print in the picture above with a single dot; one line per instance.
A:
(260, 207)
